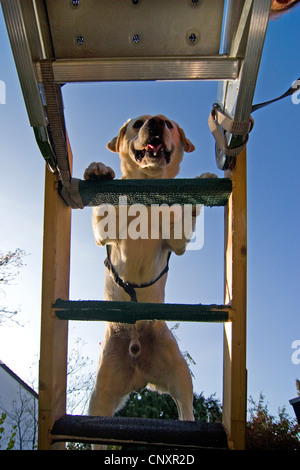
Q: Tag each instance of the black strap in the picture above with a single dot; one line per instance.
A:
(130, 287)
(295, 86)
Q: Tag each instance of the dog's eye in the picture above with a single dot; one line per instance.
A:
(138, 124)
(169, 125)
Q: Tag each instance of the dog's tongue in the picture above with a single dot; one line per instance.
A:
(154, 148)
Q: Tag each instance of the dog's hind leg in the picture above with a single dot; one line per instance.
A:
(170, 373)
(104, 402)
(180, 388)
(178, 383)
(113, 381)
(106, 398)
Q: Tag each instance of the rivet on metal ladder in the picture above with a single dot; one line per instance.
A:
(136, 39)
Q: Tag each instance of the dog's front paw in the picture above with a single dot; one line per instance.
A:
(98, 171)
(207, 175)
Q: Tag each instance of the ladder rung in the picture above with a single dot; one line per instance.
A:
(206, 191)
(158, 432)
(216, 67)
(130, 312)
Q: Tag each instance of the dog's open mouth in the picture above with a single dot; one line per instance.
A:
(153, 150)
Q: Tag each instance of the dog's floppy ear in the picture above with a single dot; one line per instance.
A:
(187, 144)
(114, 144)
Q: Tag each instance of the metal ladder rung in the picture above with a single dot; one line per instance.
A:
(218, 67)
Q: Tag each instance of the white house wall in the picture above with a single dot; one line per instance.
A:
(20, 403)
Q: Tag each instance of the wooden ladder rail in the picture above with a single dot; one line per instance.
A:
(235, 278)
(54, 332)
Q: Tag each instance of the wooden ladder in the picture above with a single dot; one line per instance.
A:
(203, 41)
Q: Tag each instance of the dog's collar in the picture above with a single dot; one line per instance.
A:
(130, 287)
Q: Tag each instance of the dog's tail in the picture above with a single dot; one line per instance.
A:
(135, 348)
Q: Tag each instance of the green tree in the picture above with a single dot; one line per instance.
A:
(298, 387)
(10, 263)
(12, 438)
(266, 432)
(149, 404)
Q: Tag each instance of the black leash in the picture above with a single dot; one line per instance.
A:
(295, 86)
(130, 287)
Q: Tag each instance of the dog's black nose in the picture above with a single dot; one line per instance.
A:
(155, 127)
(156, 122)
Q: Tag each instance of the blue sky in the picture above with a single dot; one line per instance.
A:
(94, 113)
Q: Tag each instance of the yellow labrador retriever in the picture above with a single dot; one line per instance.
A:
(279, 7)
(146, 353)
(134, 356)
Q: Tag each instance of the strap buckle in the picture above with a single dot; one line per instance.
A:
(231, 136)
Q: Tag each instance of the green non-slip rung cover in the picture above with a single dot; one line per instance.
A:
(206, 191)
(157, 432)
(130, 312)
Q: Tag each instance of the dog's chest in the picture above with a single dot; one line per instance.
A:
(139, 261)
